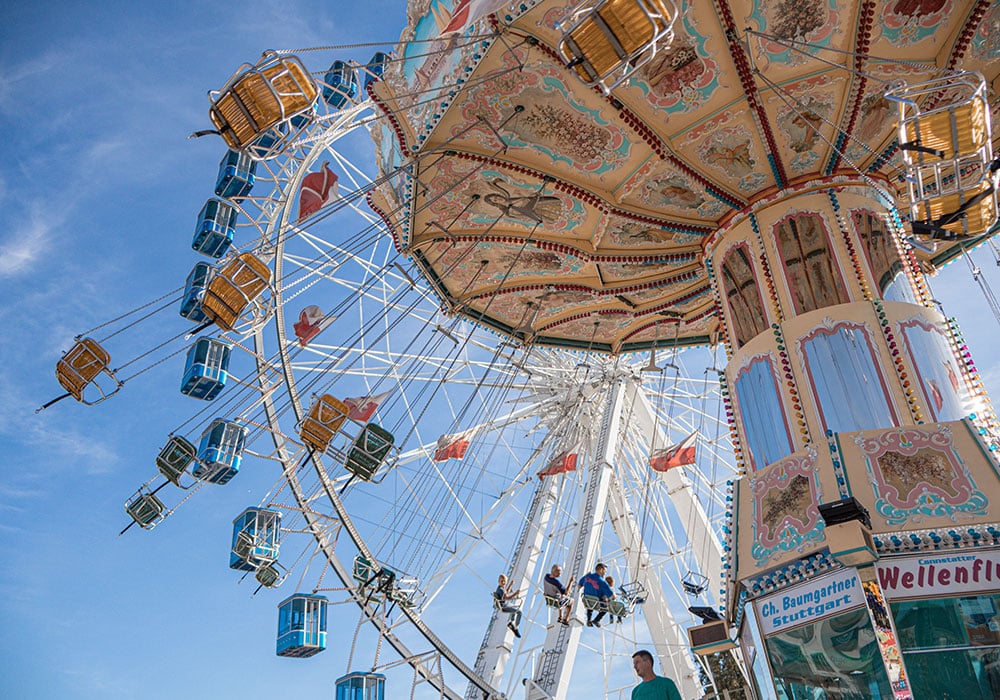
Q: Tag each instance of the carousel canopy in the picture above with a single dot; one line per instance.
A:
(562, 209)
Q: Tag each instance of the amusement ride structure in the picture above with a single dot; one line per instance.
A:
(478, 360)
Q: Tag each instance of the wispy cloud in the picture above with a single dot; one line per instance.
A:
(19, 76)
(26, 244)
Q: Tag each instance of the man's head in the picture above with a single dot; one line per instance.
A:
(556, 570)
(600, 569)
(642, 662)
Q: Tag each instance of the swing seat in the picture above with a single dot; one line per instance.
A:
(368, 451)
(947, 218)
(145, 509)
(325, 418)
(174, 459)
(618, 608)
(607, 40)
(268, 576)
(260, 97)
(592, 602)
(234, 288)
(953, 131)
(85, 365)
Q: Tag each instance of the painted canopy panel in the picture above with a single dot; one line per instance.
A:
(555, 213)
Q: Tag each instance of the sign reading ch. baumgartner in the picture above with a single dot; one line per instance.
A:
(967, 571)
(824, 596)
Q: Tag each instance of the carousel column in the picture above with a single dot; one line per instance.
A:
(819, 358)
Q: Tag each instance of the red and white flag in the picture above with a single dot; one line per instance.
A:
(677, 455)
(453, 445)
(562, 462)
(363, 407)
(318, 189)
(309, 325)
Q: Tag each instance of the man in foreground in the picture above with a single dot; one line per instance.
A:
(653, 687)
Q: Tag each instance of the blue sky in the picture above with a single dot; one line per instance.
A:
(99, 189)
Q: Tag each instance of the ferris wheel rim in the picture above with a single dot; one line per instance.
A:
(341, 128)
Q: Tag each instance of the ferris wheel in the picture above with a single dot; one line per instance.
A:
(504, 458)
(420, 456)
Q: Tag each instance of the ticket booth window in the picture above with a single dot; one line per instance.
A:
(951, 646)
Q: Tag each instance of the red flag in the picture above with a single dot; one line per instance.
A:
(309, 324)
(453, 445)
(561, 463)
(318, 189)
(363, 407)
(674, 456)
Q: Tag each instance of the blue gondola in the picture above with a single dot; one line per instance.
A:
(206, 370)
(194, 292)
(361, 686)
(256, 535)
(237, 174)
(373, 70)
(220, 451)
(302, 625)
(215, 229)
(341, 84)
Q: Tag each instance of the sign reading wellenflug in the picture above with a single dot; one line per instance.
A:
(963, 571)
(819, 598)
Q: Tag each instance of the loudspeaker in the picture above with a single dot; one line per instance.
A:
(710, 638)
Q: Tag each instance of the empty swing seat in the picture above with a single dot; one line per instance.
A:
(213, 234)
(361, 685)
(194, 292)
(206, 369)
(268, 576)
(302, 625)
(607, 40)
(237, 175)
(86, 365)
(145, 509)
(261, 96)
(368, 451)
(946, 140)
(175, 457)
(220, 451)
(326, 416)
(340, 84)
(256, 539)
(968, 212)
(234, 288)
